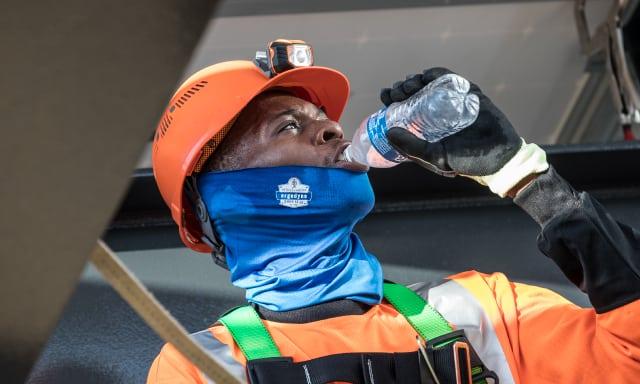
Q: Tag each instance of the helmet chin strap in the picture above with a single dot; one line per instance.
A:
(209, 235)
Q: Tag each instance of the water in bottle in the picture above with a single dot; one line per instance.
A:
(438, 110)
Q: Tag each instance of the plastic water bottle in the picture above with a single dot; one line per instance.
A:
(438, 110)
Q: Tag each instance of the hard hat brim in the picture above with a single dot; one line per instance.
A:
(327, 88)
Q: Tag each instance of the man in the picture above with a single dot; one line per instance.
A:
(252, 167)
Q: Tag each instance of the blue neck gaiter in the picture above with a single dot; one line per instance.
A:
(288, 233)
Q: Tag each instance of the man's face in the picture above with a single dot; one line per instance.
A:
(278, 129)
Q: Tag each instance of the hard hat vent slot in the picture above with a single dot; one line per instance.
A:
(190, 92)
(167, 119)
(165, 122)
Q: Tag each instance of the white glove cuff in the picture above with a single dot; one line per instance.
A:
(529, 159)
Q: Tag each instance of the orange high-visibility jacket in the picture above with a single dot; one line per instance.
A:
(525, 334)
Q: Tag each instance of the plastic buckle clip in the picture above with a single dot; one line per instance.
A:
(456, 361)
(462, 362)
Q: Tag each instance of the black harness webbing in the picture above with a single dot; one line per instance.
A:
(356, 368)
(376, 368)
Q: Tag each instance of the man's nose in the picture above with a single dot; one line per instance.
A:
(328, 130)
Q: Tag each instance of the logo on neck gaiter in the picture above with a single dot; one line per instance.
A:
(294, 194)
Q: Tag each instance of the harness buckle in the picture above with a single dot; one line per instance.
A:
(452, 359)
(462, 362)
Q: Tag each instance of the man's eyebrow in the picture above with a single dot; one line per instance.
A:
(290, 111)
(296, 112)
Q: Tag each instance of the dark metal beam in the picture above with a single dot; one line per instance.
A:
(83, 85)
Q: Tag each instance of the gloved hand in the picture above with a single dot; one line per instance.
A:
(488, 151)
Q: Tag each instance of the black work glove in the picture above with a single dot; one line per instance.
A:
(480, 149)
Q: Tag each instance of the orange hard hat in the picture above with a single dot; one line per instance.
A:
(203, 110)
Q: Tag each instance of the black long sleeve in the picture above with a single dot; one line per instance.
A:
(598, 254)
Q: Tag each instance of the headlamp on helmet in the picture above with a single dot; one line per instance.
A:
(282, 55)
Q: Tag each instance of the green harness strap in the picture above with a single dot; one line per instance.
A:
(425, 320)
(255, 342)
(249, 333)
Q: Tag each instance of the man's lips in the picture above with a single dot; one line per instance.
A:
(339, 156)
(340, 161)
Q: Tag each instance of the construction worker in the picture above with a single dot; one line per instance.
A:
(249, 158)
